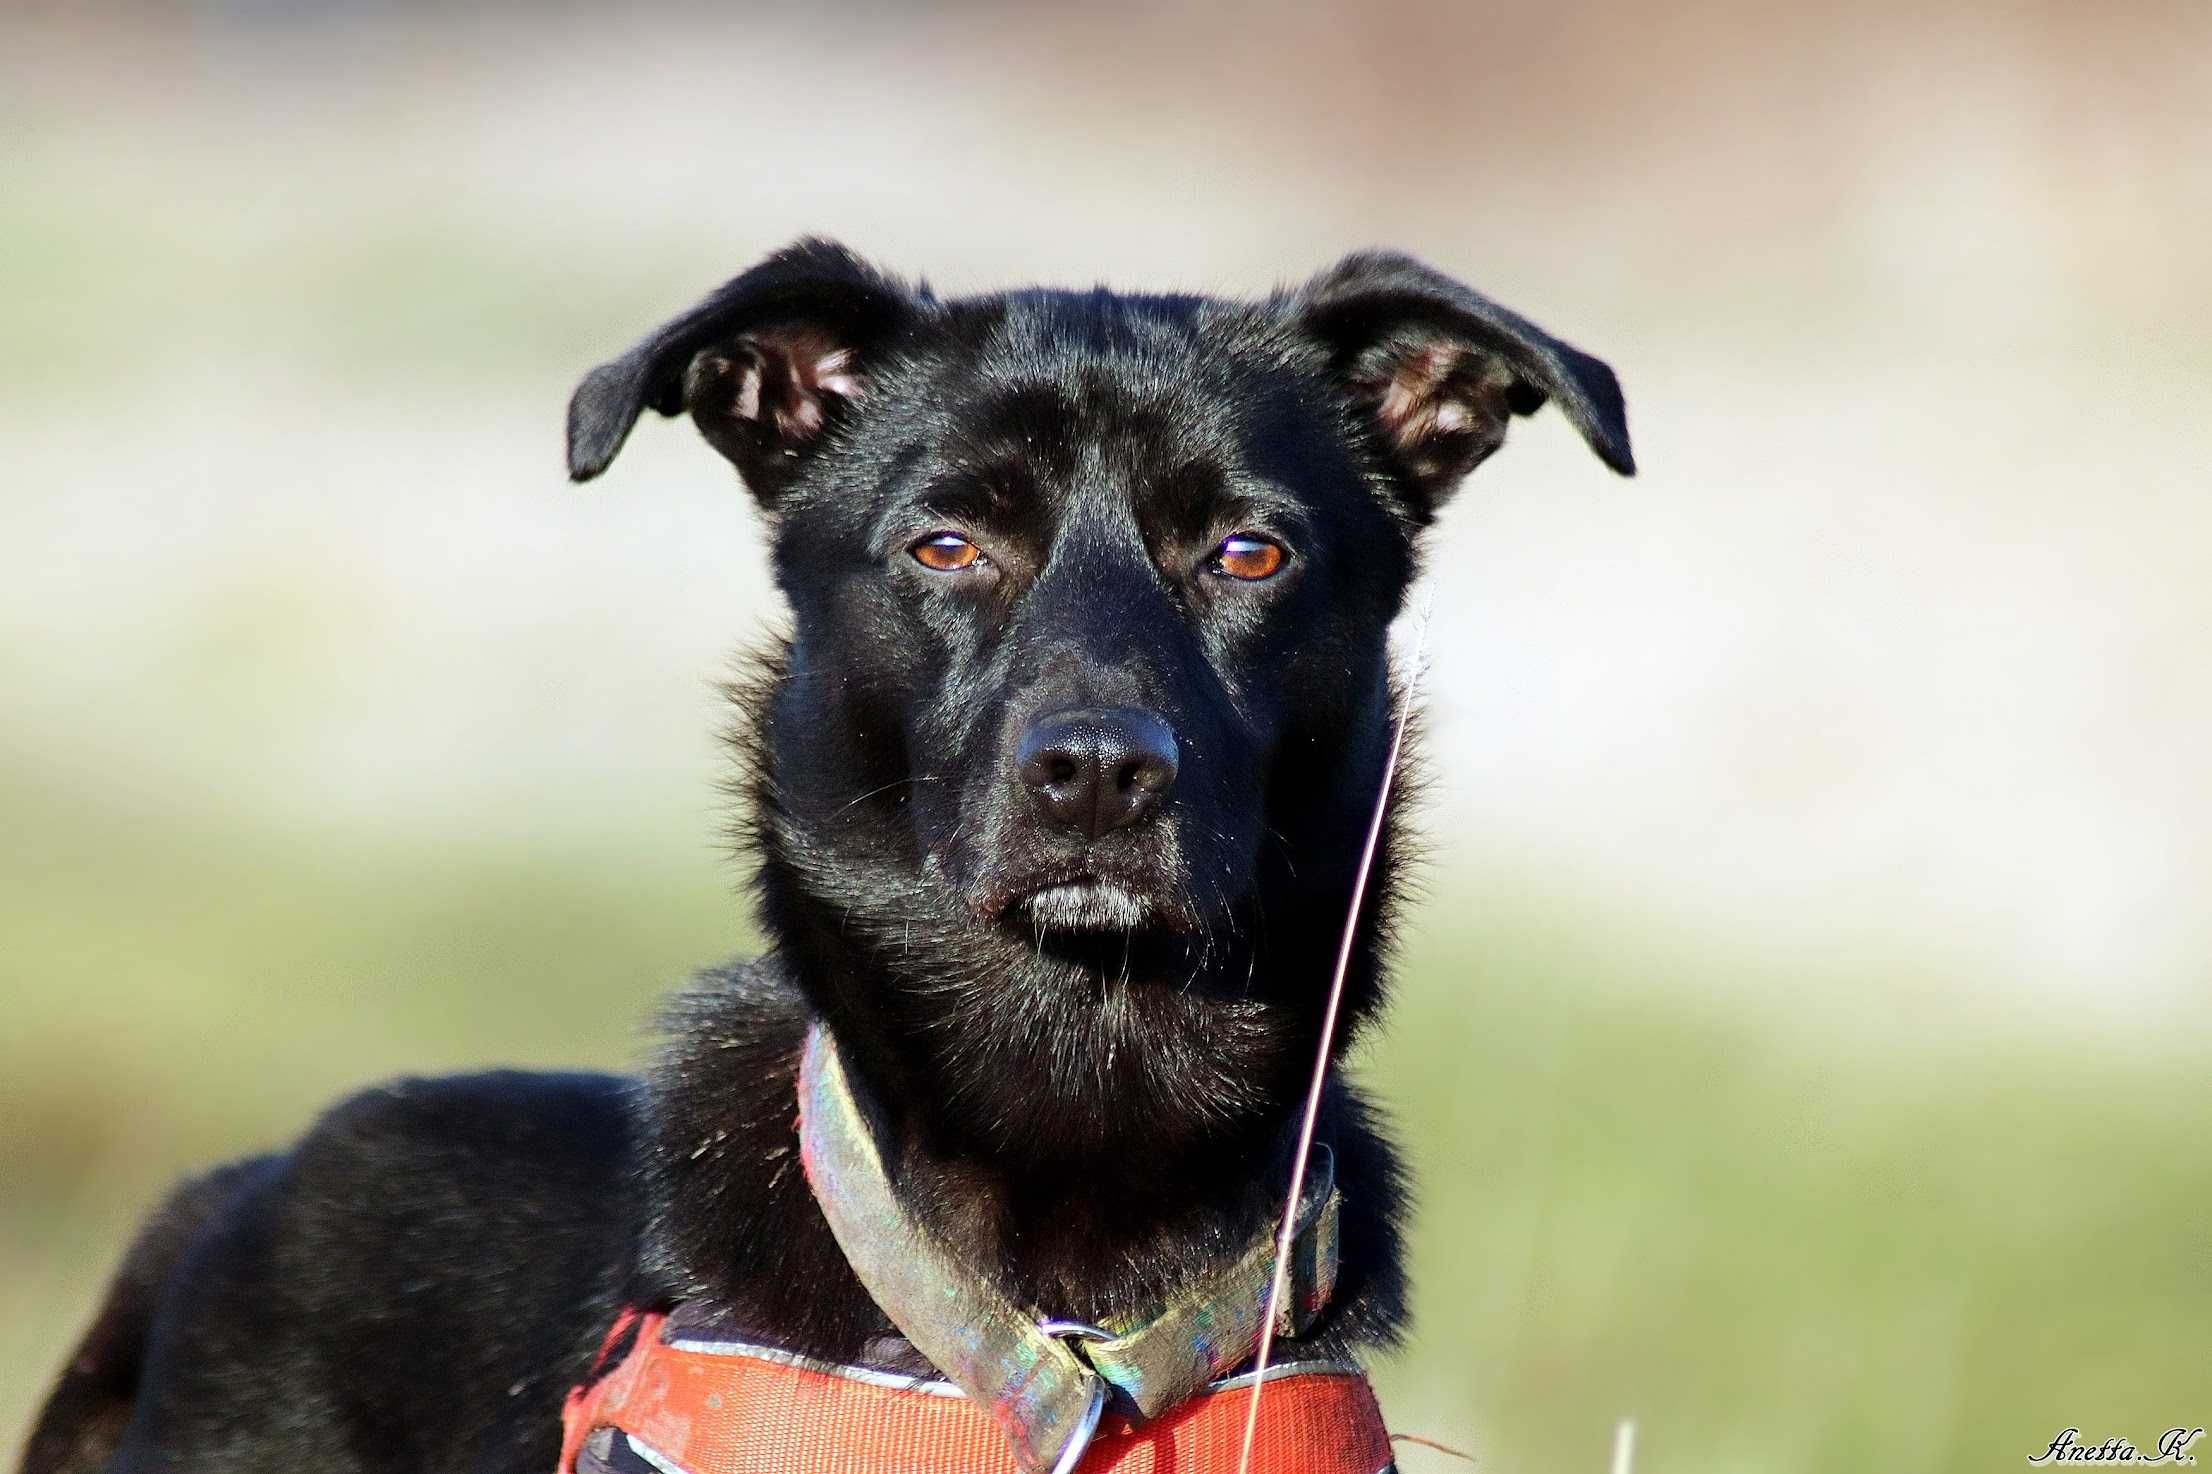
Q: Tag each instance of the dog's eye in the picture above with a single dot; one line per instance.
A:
(1248, 556)
(947, 552)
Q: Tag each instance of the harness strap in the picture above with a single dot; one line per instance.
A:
(683, 1407)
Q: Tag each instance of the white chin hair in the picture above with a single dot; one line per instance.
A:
(1094, 905)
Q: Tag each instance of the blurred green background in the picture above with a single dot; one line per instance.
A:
(1801, 1036)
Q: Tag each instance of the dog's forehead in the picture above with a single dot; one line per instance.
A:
(1052, 377)
(1057, 321)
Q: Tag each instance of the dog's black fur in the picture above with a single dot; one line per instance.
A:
(1088, 1048)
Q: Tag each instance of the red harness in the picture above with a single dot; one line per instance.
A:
(723, 1408)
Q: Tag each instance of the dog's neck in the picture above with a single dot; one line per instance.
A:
(734, 1222)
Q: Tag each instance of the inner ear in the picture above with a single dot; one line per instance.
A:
(766, 364)
(764, 397)
(1440, 406)
(1435, 371)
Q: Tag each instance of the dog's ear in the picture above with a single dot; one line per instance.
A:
(1435, 370)
(765, 364)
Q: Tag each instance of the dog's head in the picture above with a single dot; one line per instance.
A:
(1087, 680)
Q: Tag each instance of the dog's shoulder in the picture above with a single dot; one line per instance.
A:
(497, 1212)
(431, 1175)
(442, 1131)
(435, 1258)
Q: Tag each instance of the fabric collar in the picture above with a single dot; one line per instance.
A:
(1046, 1382)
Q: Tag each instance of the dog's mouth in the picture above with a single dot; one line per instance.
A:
(1089, 903)
(1086, 905)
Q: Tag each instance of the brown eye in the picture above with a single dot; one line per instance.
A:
(947, 552)
(1248, 556)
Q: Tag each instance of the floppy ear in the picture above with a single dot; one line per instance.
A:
(1435, 369)
(765, 364)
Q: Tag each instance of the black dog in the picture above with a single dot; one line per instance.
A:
(1059, 784)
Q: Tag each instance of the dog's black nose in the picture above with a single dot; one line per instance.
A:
(1097, 769)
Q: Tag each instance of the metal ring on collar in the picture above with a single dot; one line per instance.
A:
(1080, 1443)
(1075, 1330)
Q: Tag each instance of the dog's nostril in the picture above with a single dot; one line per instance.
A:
(1097, 769)
(1144, 775)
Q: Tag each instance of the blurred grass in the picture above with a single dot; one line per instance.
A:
(1821, 1247)
(1775, 1237)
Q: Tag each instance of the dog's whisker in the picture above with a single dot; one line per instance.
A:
(887, 787)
